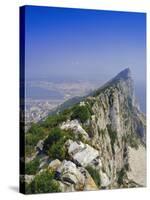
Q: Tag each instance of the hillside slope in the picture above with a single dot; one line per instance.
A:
(94, 144)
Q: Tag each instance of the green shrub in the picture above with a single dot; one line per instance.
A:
(34, 134)
(55, 120)
(80, 112)
(54, 144)
(95, 175)
(29, 150)
(89, 107)
(43, 183)
(31, 168)
(35, 129)
(54, 136)
(57, 150)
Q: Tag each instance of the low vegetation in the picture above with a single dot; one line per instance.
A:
(81, 112)
(43, 183)
(56, 137)
(31, 168)
(54, 144)
(34, 134)
(41, 130)
(54, 120)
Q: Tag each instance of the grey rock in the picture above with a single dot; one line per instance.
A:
(70, 174)
(84, 154)
(29, 178)
(89, 183)
(44, 161)
(39, 146)
(75, 126)
(54, 164)
(65, 187)
(105, 182)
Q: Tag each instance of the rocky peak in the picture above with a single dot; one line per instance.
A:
(125, 81)
(124, 74)
(122, 82)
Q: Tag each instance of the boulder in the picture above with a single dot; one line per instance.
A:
(75, 126)
(82, 153)
(54, 164)
(104, 179)
(39, 146)
(65, 187)
(44, 161)
(89, 183)
(70, 174)
(96, 163)
(29, 178)
(75, 147)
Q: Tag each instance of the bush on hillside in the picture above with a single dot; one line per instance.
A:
(31, 168)
(34, 134)
(80, 112)
(55, 120)
(54, 144)
(43, 183)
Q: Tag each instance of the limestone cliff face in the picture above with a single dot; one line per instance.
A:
(116, 124)
(116, 128)
(107, 143)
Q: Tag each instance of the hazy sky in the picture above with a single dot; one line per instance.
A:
(85, 44)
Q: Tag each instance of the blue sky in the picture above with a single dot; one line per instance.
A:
(84, 44)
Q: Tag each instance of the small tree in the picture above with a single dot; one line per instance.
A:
(54, 136)
(57, 150)
(43, 183)
(54, 144)
(80, 112)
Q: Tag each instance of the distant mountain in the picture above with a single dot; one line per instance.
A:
(96, 142)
